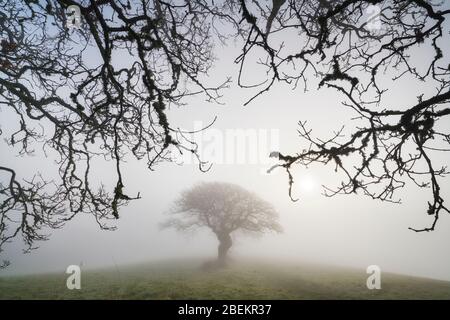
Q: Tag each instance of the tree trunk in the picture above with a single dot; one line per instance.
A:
(225, 244)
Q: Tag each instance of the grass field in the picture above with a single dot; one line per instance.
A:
(185, 279)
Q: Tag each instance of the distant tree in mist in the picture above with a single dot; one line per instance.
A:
(224, 209)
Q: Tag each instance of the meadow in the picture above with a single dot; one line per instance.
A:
(189, 279)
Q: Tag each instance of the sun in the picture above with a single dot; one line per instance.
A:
(308, 184)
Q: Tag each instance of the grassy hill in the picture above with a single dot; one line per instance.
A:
(186, 279)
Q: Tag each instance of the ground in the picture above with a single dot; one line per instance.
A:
(188, 279)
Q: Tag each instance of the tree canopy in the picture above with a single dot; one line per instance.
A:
(223, 208)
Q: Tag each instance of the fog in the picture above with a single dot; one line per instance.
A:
(353, 231)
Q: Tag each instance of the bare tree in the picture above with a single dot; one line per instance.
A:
(223, 208)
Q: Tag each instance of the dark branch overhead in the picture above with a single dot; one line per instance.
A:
(343, 48)
(98, 91)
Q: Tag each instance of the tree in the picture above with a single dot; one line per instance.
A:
(223, 208)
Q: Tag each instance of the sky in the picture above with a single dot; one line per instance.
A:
(352, 230)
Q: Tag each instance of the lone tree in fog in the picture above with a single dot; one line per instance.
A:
(224, 208)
